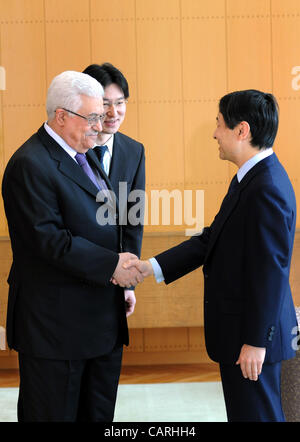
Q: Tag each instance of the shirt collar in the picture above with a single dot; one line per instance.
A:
(60, 141)
(252, 162)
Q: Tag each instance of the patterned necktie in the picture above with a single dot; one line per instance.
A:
(82, 161)
(100, 152)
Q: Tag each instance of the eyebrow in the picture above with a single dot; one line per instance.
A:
(108, 99)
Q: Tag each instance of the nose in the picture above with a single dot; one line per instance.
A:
(98, 126)
(112, 110)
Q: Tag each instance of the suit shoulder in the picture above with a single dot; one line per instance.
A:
(122, 138)
(30, 149)
(271, 185)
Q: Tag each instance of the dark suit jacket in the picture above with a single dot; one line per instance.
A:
(246, 254)
(61, 302)
(128, 166)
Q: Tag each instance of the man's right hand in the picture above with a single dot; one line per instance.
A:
(127, 277)
(144, 267)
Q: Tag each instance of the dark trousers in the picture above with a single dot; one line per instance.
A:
(252, 401)
(68, 391)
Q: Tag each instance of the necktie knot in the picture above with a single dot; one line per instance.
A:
(81, 159)
(83, 163)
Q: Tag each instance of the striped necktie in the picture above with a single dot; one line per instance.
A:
(100, 152)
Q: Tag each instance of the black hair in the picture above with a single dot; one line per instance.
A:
(259, 109)
(107, 74)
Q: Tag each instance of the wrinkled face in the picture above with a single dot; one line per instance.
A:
(114, 107)
(77, 131)
(226, 139)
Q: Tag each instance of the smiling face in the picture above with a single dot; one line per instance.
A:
(115, 109)
(76, 131)
(226, 139)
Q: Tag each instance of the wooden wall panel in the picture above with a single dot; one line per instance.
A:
(249, 45)
(73, 39)
(180, 57)
(27, 119)
(159, 60)
(114, 10)
(242, 8)
(23, 56)
(119, 48)
(19, 10)
(176, 305)
(165, 150)
(203, 58)
(201, 149)
(66, 10)
(284, 55)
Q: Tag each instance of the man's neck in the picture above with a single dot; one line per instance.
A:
(246, 155)
(103, 138)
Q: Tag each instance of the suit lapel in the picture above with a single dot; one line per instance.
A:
(229, 203)
(119, 159)
(66, 165)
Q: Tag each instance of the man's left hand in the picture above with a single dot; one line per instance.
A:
(130, 301)
(251, 360)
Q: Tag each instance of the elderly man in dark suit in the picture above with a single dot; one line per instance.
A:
(65, 318)
(249, 315)
(121, 157)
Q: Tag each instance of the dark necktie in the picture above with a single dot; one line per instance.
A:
(233, 185)
(82, 161)
(100, 152)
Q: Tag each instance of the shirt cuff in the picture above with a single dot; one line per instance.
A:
(158, 274)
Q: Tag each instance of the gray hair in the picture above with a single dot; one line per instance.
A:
(66, 89)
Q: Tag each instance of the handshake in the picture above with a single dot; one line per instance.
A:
(130, 270)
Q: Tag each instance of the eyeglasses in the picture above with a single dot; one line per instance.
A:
(92, 120)
(117, 103)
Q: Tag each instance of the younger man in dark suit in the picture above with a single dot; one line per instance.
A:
(122, 158)
(249, 316)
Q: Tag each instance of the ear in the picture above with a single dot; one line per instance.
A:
(60, 117)
(243, 130)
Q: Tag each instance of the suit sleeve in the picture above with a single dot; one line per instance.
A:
(268, 245)
(33, 212)
(184, 258)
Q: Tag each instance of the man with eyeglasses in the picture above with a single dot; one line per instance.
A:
(65, 318)
(122, 158)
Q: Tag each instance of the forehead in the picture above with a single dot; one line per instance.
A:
(112, 92)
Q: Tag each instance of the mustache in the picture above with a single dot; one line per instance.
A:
(92, 133)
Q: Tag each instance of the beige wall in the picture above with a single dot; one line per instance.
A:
(180, 57)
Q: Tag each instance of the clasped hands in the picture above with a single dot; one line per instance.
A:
(130, 270)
